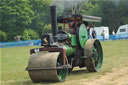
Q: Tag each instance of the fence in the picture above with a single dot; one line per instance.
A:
(20, 43)
(38, 42)
(115, 37)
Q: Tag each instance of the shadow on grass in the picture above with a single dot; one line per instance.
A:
(78, 72)
(29, 82)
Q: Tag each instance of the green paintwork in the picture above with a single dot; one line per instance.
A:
(61, 73)
(69, 36)
(73, 40)
(97, 55)
(83, 35)
(69, 50)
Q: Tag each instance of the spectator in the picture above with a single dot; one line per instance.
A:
(113, 33)
(31, 44)
(93, 34)
(102, 35)
(88, 28)
(17, 38)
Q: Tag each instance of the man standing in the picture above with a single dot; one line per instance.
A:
(88, 28)
(102, 35)
(113, 33)
(93, 34)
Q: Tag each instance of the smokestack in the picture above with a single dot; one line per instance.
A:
(53, 21)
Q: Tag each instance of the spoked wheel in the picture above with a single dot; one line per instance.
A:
(61, 73)
(94, 55)
(43, 67)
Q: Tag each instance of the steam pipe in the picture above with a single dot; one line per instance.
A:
(53, 21)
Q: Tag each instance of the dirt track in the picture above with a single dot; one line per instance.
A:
(116, 77)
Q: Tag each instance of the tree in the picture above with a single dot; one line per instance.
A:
(113, 13)
(41, 14)
(3, 36)
(30, 34)
(15, 16)
(90, 8)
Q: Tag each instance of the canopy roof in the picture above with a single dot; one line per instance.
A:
(70, 18)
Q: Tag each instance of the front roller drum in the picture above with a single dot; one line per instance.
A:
(42, 67)
(94, 55)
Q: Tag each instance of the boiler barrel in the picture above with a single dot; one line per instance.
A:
(69, 50)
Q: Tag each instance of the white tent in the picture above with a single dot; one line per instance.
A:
(99, 30)
(122, 29)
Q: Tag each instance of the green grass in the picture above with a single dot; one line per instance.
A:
(15, 60)
(0, 66)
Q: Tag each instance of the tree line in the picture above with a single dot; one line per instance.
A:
(31, 18)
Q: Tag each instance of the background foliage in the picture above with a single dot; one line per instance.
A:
(30, 34)
(17, 17)
(3, 36)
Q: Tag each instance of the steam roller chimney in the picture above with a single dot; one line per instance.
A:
(53, 21)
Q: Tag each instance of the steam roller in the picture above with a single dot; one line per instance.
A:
(67, 47)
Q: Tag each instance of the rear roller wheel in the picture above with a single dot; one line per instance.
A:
(43, 67)
(94, 55)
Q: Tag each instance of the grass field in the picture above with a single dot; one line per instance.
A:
(15, 60)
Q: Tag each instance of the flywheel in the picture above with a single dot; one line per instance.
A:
(81, 36)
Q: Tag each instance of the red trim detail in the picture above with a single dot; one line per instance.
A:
(64, 56)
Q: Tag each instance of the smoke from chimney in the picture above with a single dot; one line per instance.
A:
(65, 5)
